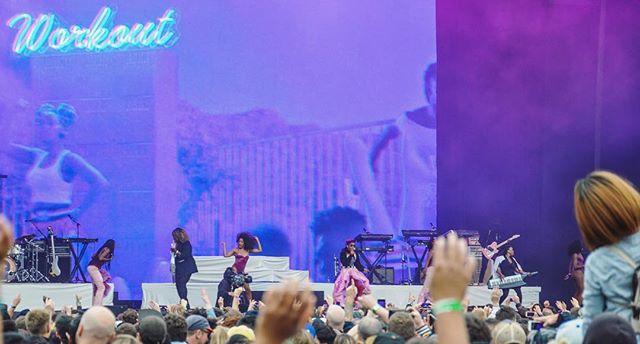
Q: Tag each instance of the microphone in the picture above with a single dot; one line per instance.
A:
(365, 230)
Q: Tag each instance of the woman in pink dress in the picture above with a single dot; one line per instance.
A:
(247, 243)
(351, 271)
(99, 276)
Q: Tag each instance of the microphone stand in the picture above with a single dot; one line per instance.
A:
(77, 236)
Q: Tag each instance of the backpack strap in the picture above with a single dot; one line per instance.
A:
(620, 253)
(635, 298)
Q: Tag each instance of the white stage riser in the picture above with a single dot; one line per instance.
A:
(61, 293)
(258, 275)
(218, 263)
(165, 293)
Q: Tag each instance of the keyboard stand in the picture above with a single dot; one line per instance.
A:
(372, 266)
(77, 259)
(419, 261)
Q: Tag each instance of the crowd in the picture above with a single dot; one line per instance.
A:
(607, 209)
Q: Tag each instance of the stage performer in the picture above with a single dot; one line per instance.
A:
(352, 270)
(425, 294)
(99, 275)
(54, 169)
(576, 268)
(509, 267)
(185, 264)
(246, 244)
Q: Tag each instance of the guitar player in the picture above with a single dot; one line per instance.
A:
(509, 267)
(490, 252)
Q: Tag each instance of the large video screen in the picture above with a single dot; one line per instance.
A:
(305, 123)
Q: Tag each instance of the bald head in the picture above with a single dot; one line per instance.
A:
(97, 326)
(335, 317)
(368, 327)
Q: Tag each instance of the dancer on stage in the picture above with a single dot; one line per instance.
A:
(247, 243)
(576, 268)
(99, 276)
(185, 264)
(351, 271)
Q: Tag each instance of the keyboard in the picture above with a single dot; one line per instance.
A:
(373, 237)
(80, 240)
(419, 233)
(509, 281)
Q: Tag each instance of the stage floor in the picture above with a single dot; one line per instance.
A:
(61, 293)
(165, 293)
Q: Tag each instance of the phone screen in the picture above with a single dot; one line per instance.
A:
(382, 302)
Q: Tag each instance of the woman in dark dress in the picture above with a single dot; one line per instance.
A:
(99, 276)
(185, 264)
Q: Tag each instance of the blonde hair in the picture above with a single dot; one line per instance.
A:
(607, 208)
(508, 332)
(219, 335)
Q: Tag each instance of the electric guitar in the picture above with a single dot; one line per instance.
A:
(55, 268)
(490, 251)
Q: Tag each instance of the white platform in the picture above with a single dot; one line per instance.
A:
(262, 269)
(218, 263)
(165, 293)
(61, 293)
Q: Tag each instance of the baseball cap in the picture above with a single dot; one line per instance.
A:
(198, 322)
(243, 331)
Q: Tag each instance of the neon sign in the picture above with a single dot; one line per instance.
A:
(46, 32)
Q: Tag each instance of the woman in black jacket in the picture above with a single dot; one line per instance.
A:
(185, 264)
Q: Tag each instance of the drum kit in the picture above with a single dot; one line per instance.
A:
(23, 261)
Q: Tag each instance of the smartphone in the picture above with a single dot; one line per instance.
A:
(530, 314)
(382, 303)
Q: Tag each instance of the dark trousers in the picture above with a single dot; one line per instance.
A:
(181, 285)
(505, 292)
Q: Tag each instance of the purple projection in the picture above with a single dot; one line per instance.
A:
(301, 123)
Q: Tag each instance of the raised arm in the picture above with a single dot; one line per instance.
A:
(89, 174)
(22, 153)
(225, 252)
(390, 132)
(259, 249)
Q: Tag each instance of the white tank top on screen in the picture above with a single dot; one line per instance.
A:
(47, 184)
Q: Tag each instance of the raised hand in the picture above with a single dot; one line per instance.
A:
(328, 299)
(352, 291)
(561, 305)
(286, 312)
(205, 299)
(453, 268)
(575, 303)
(154, 305)
(16, 301)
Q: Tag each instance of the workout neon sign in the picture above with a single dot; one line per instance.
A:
(46, 33)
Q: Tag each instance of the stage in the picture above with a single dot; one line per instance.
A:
(61, 293)
(165, 293)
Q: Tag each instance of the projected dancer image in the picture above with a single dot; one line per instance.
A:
(99, 275)
(54, 168)
(351, 273)
(417, 131)
(185, 264)
(246, 243)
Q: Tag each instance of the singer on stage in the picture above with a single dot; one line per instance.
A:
(185, 264)
(99, 276)
(351, 271)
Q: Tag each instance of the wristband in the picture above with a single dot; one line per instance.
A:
(447, 306)
(376, 308)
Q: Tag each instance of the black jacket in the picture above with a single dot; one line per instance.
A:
(349, 261)
(185, 264)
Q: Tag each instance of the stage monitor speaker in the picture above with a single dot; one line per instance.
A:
(387, 273)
